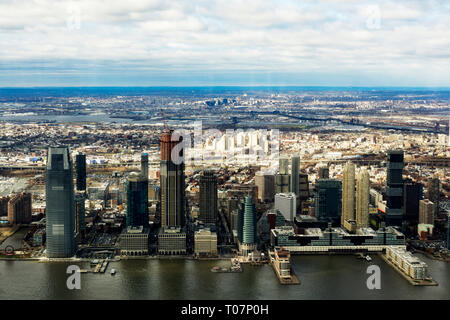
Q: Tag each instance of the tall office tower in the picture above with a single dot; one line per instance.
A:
(19, 209)
(324, 173)
(249, 238)
(282, 179)
(394, 190)
(208, 198)
(284, 165)
(172, 183)
(80, 225)
(137, 201)
(304, 186)
(295, 171)
(60, 207)
(448, 231)
(144, 165)
(240, 222)
(348, 193)
(433, 193)
(426, 212)
(329, 200)
(80, 161)
(266, 186)
(412, 194)
(286, 204)
(362, 199)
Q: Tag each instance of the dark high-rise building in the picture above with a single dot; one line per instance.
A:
(434, 193)
(60, 208)
(144, 165)
(412, 194)
(137, 201)
(448, 231)
(172, 182)
(329, 200)
(295, 171)
(304, 187)
(208, 198)
(80, 160)
(394, 189)
(80, 224)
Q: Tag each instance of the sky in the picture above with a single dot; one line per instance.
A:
(224, 42)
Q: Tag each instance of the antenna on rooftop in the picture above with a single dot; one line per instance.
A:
(164, 119)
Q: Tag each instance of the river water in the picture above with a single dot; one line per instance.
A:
(322, 277)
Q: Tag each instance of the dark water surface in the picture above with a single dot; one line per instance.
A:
(322, 277)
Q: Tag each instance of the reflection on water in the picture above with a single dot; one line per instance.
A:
(322, 277)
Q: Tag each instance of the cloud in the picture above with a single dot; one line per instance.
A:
(226, 36)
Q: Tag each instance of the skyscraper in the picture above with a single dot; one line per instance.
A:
(266, 186)
(329, 200)
(249, 238)
(413, 193)
(208, 197)
(286, 203)
(172, 182)
(362, 199)
(19, 209)
(282, 178)
(426, 212)
(137, 201)
(394, 190)
(348, 193)
(295, 171)
(80, 160)
(80, 198)
(144, 165)
(448, 231)
(434, 193)
(60, 208)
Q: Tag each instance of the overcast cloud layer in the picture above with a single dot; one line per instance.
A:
(224, 42)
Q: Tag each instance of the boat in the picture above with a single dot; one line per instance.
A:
(368, 258)
(113, 272)
(94, 262)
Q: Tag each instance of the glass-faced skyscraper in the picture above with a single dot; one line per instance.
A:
(247, 225)
(394, 188)
(295, 171)
(329, 200)
(60, 207)
(208, 197)
(80, 160)
(137, 201)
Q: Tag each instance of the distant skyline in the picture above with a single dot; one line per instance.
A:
(225, 43)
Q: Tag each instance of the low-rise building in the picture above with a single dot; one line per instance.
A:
(171, 240)
(205, 242)
(410, 265)
(282, 262)
(134, 241)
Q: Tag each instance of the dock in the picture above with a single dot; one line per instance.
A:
(289, 279)
(235, 267)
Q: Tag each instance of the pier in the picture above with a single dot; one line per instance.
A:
(409, 267)
(281, 264)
